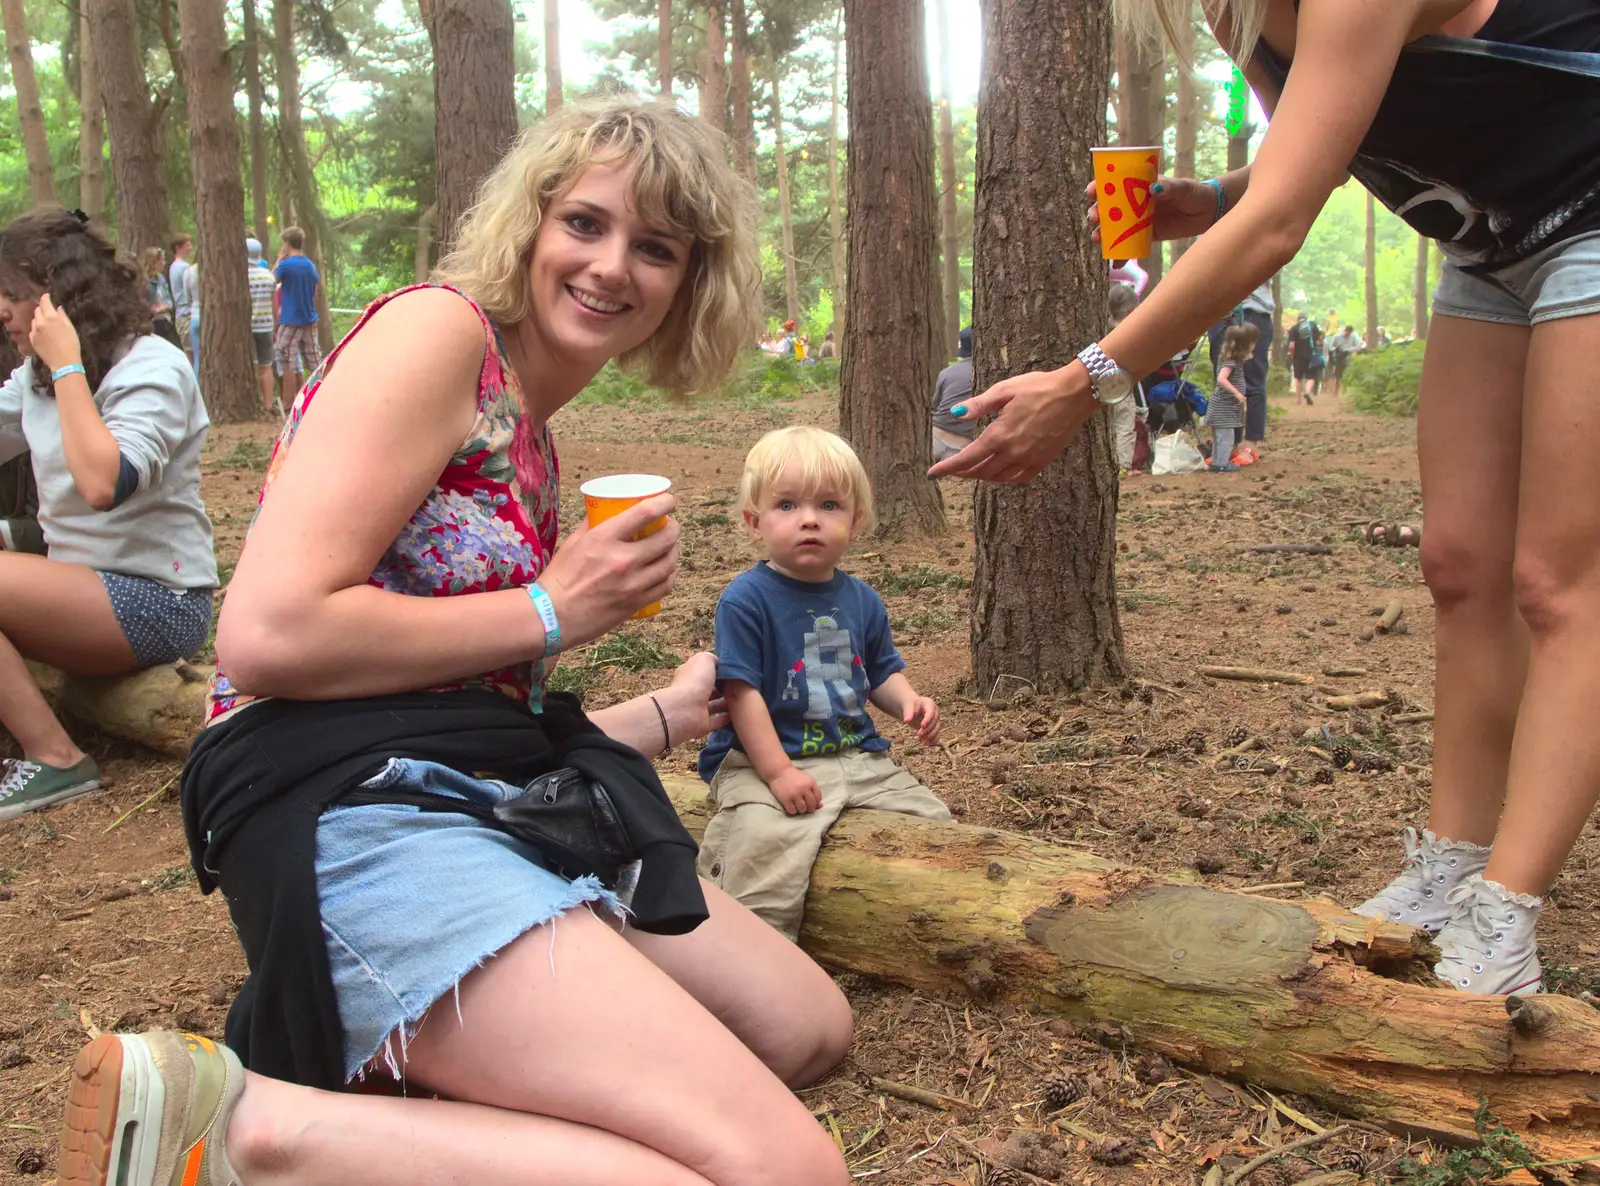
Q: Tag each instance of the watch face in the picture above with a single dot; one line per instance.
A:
(1114, 388)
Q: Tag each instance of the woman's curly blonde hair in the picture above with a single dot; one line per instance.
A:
(681, 177)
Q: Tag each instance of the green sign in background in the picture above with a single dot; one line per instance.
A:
(1238, 104)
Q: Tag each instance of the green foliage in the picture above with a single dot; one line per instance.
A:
(581, 672)
(891, 582)
(1497, 1153)
(1386, 381)
(613, 385)
(249, 455)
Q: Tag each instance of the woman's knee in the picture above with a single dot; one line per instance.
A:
(1554, 593)
(811, 1051)
(1460, 569)
(797, 1152)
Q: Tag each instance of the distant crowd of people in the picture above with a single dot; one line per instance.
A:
(792, 344)
(283, 310)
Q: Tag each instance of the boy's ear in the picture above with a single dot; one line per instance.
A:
(752, 522)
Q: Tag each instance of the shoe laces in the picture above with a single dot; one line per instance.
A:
(1484, 923)
(1426, 866)
(19, 772)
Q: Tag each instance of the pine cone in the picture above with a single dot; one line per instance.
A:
(1238, 735)
(1342, 755)
(1323, 777)
(1001, 1175)
(1114, 1151)
(1131, 744)
(1195, 739)
(1063, 1090)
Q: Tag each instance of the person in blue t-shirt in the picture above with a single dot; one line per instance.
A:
(802, 648)
(294, 346)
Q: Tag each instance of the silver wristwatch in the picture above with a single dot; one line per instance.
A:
(1111, 383)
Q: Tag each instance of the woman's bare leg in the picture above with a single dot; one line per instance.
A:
(773, 996)
(58, 614)
(281, 1132)
(1469, 432)
(1555, 761)
(571, 1024)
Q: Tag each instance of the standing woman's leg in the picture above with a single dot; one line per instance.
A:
(1469, 445)
(1555, 760)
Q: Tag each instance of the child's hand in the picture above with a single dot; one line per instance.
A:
(924, 714)
(797, 791)
(52, 335)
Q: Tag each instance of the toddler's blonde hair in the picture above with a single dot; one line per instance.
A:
(822, 458)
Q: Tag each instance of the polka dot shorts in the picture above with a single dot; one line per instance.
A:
(162, 624)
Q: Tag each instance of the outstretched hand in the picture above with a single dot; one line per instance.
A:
(1184, 208)
(1038, 415)
(692, 704)
(923, 714)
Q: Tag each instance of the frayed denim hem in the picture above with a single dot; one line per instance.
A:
(389, 1055)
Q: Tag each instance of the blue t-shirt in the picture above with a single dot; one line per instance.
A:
(815, 649)
(299, 278)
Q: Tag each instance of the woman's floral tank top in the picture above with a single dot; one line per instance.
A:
(490, 522)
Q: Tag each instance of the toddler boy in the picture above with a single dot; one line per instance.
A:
(801, 649)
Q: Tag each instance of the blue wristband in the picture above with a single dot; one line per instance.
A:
(547, 615)
(1222, 199)
(72, 368)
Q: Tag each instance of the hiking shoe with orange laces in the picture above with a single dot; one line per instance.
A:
(149, 1110)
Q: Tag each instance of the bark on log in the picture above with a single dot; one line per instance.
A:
(1286, 994)
(1294, 549)
(1359, 700)
(1393, 611)
(159, 708)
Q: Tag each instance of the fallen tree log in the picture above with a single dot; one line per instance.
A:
(1256, 675)
(160, 707)
(1286, 994)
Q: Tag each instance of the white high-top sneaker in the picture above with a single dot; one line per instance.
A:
(1433, 868)
(1488, 946)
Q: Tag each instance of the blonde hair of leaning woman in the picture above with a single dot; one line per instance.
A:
(577, 1051)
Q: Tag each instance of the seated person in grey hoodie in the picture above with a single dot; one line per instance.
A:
(113, 419)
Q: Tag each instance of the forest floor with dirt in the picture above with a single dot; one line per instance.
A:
(101, 925)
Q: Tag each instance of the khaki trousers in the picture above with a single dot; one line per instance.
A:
(760, 854)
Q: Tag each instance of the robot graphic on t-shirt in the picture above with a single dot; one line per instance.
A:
(829, 660)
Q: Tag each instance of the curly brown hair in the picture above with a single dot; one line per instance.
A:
(55, 251)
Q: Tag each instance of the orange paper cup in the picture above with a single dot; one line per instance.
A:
(1122, 181)
(606, 497)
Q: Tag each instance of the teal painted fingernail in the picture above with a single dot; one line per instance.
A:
(1158, 188)
(959, 410)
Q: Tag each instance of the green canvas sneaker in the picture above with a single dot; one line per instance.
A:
(27, 786)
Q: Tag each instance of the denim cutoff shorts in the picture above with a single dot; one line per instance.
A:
(1560, 281)
(413, 900)
(162, 625)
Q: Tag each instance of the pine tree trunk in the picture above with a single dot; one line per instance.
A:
(227, 362)
(301, 183)
(791, 281)
(1372, 274)
(894, 327)
(92, 131)
(1188, 131)
(835, 214)
(949, 249)
(258, 138)
(475, 104)
(1044, 604)
(1279, 354)
(422, 261)
(1296, 996)
(35, 144)
(1239, 148)
(1143, 108)
(664, 47)
(552, 56)
(744, 139)
(1419, 294)
(137, 168)
(714, 91)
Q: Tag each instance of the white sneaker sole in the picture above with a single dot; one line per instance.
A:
(18, 810)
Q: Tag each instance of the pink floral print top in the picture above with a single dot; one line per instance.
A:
(490, 522)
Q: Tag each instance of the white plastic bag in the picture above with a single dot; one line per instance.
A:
(1174, 454)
